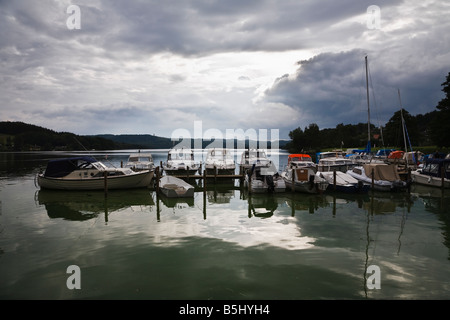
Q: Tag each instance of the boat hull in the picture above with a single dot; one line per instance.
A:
(173, 187)
(258, 186)
(427, 180)
(140, 179)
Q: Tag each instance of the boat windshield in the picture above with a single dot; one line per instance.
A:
(99, 166)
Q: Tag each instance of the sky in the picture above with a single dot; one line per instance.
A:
(220, 66)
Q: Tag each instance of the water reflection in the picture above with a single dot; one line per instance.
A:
(80, 205)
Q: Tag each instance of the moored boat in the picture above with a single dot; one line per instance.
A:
(140, 161)
(385, 176)
(300, 160)
(435, 173)
(304, 180)
(334, 160)
(173, 187)
(255, 157)
(181, 162)
(219, 161)
(86, 173)
(344, 182)
(262, 180)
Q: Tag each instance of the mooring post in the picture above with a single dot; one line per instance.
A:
(157, 179)
(373, 178)
(442, 176)
(334, 180)
(105, 179)
(293, 180)
(204, 181)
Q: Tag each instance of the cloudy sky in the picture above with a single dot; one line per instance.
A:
(151, 67)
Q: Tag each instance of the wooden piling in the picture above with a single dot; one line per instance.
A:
(373, 178)
(293, 180)
(334, 180)
(105, 179)
(442, 177)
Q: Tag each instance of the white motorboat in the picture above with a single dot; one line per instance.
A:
(86, 173)
(255, 157)
(435, 173)
(181, 162)
(219, 161)
(262, 180)
(385, 176)
(334, 160)
(300, 160)
(173, 187)
(140, 161)
(304, 180)
(344, 182)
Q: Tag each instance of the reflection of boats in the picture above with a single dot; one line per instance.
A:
(181, 162)
(262, 180)
(435, 173)
(176, 203)
(173, 187)
(140, 161)
(385, 176)
(86, 173)
(219, 161)
(344, 182)
(261, 206)
(79, 205)
(304, 180)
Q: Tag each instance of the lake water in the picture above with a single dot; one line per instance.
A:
(222, 245)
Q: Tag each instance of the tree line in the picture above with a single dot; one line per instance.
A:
(20, 136)
(430, 129)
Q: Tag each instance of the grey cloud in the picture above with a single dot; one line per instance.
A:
(330, 88)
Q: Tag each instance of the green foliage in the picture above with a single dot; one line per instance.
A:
(440, 129)
(19, 136)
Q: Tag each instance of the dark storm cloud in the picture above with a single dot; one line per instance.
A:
(130, 58)
(330, 88)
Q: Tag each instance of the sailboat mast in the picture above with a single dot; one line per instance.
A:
(368, 104)
(403, 121)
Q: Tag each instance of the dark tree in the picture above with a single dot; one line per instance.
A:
(440, 129)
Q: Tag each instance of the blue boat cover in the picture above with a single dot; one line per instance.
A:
(433, 167)
(61, 167)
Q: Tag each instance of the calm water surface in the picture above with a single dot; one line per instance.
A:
(223, 244)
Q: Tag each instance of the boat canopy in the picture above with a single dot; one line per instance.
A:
(382, 172)
(61, 167)
(299, 157)
(433, 167)
(396, 154)
(384, 152)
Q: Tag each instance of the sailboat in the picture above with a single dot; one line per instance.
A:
(381, 176)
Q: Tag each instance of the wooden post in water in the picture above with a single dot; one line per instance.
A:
(442, 176)
(373, 178)
(293, 180)
(215, 174)
(204, 181)
(334, 180)
(105, 179)
(157, 179)
(408, 180)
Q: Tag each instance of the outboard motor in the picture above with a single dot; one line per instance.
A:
(311, 181)
(270, 183)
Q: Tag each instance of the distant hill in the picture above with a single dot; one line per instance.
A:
(147, 141)
(20, 136)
